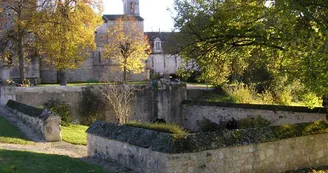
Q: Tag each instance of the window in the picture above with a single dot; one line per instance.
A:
(132, 7)
(157, 44)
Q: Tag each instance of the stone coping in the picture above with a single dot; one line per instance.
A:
(196, 142)
(29, 110)
(257, 106)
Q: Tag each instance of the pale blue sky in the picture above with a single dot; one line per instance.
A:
(154, 12)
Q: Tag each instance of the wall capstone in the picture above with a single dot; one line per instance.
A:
(42, 121)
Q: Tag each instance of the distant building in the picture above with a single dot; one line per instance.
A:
(162, 60)
(98, 68)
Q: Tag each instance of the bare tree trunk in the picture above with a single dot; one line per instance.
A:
(125, 70)
(21, 59)
(20, 52)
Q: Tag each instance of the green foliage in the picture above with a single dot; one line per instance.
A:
(322, 169)
(74, 134)
(174, 129)
(29, 162)
(241, 93)
(291, 94)
(11, 134)
(231, 39)
(206, 125)
(253, 122)
(91, 104)
(216, 97)
(60, 108)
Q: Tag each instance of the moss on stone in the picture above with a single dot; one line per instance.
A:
(195, 142)
(25, 109)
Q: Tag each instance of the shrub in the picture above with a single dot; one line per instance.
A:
(253, 122)
(61, 108)
(174, 129)
(241, 93)
(206, 125)
(265, 97)
(91, 105)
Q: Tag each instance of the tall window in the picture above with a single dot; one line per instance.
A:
(132, 7)
(157, 44)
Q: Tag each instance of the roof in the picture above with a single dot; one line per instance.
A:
(163, 36)
(167, 39)
(110, 17)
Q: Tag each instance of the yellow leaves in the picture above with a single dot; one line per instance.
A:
(127, 44)
(67, 36)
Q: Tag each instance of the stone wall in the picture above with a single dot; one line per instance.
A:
(168, 100)
(241, 151)
(42, 121)
(193, 112)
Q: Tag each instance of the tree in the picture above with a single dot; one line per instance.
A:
(66, 34)
(120, 98)
(16, 19)
(223, 37)
(127, 45)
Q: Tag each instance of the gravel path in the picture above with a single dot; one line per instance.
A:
(59, 148)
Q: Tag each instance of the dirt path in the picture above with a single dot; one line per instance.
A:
(59, 148)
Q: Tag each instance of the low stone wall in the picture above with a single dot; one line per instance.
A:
(150, 104)
(42, 121)
(271, 149)
(193, 112)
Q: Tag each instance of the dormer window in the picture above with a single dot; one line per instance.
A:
(157, 45)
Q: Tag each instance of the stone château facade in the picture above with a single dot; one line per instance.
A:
(98, 68)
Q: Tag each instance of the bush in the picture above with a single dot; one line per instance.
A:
(91, 105)
(206, 125)
(61, 108)
(241, 93)
(253, 122)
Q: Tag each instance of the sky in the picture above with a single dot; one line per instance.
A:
(155, 13)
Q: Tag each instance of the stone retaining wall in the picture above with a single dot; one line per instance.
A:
(156, 152)
(150, 104)
(42, 121)
(193, 112)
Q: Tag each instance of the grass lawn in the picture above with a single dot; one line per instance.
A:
(11, 134)
(74, 134)
(95, 83)
(28, 162)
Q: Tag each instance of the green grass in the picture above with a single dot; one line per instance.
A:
(11, 134)
(94, 83)
(28, 162)
(216, 97)
(199, 85)
(174, 129)
(74, 134)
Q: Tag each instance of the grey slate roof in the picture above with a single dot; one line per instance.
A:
(167, 39)
(113, 17)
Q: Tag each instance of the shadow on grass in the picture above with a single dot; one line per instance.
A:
(10, 134)
(29, 162)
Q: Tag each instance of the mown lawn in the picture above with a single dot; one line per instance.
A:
(95, 83)
(29, 162)
(11, 134)
(74, 134)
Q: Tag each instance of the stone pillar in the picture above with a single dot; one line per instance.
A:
(5, 72)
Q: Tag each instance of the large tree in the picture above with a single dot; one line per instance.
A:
(66, 33)
(127, 45)
(224, 36)
(16, 21)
